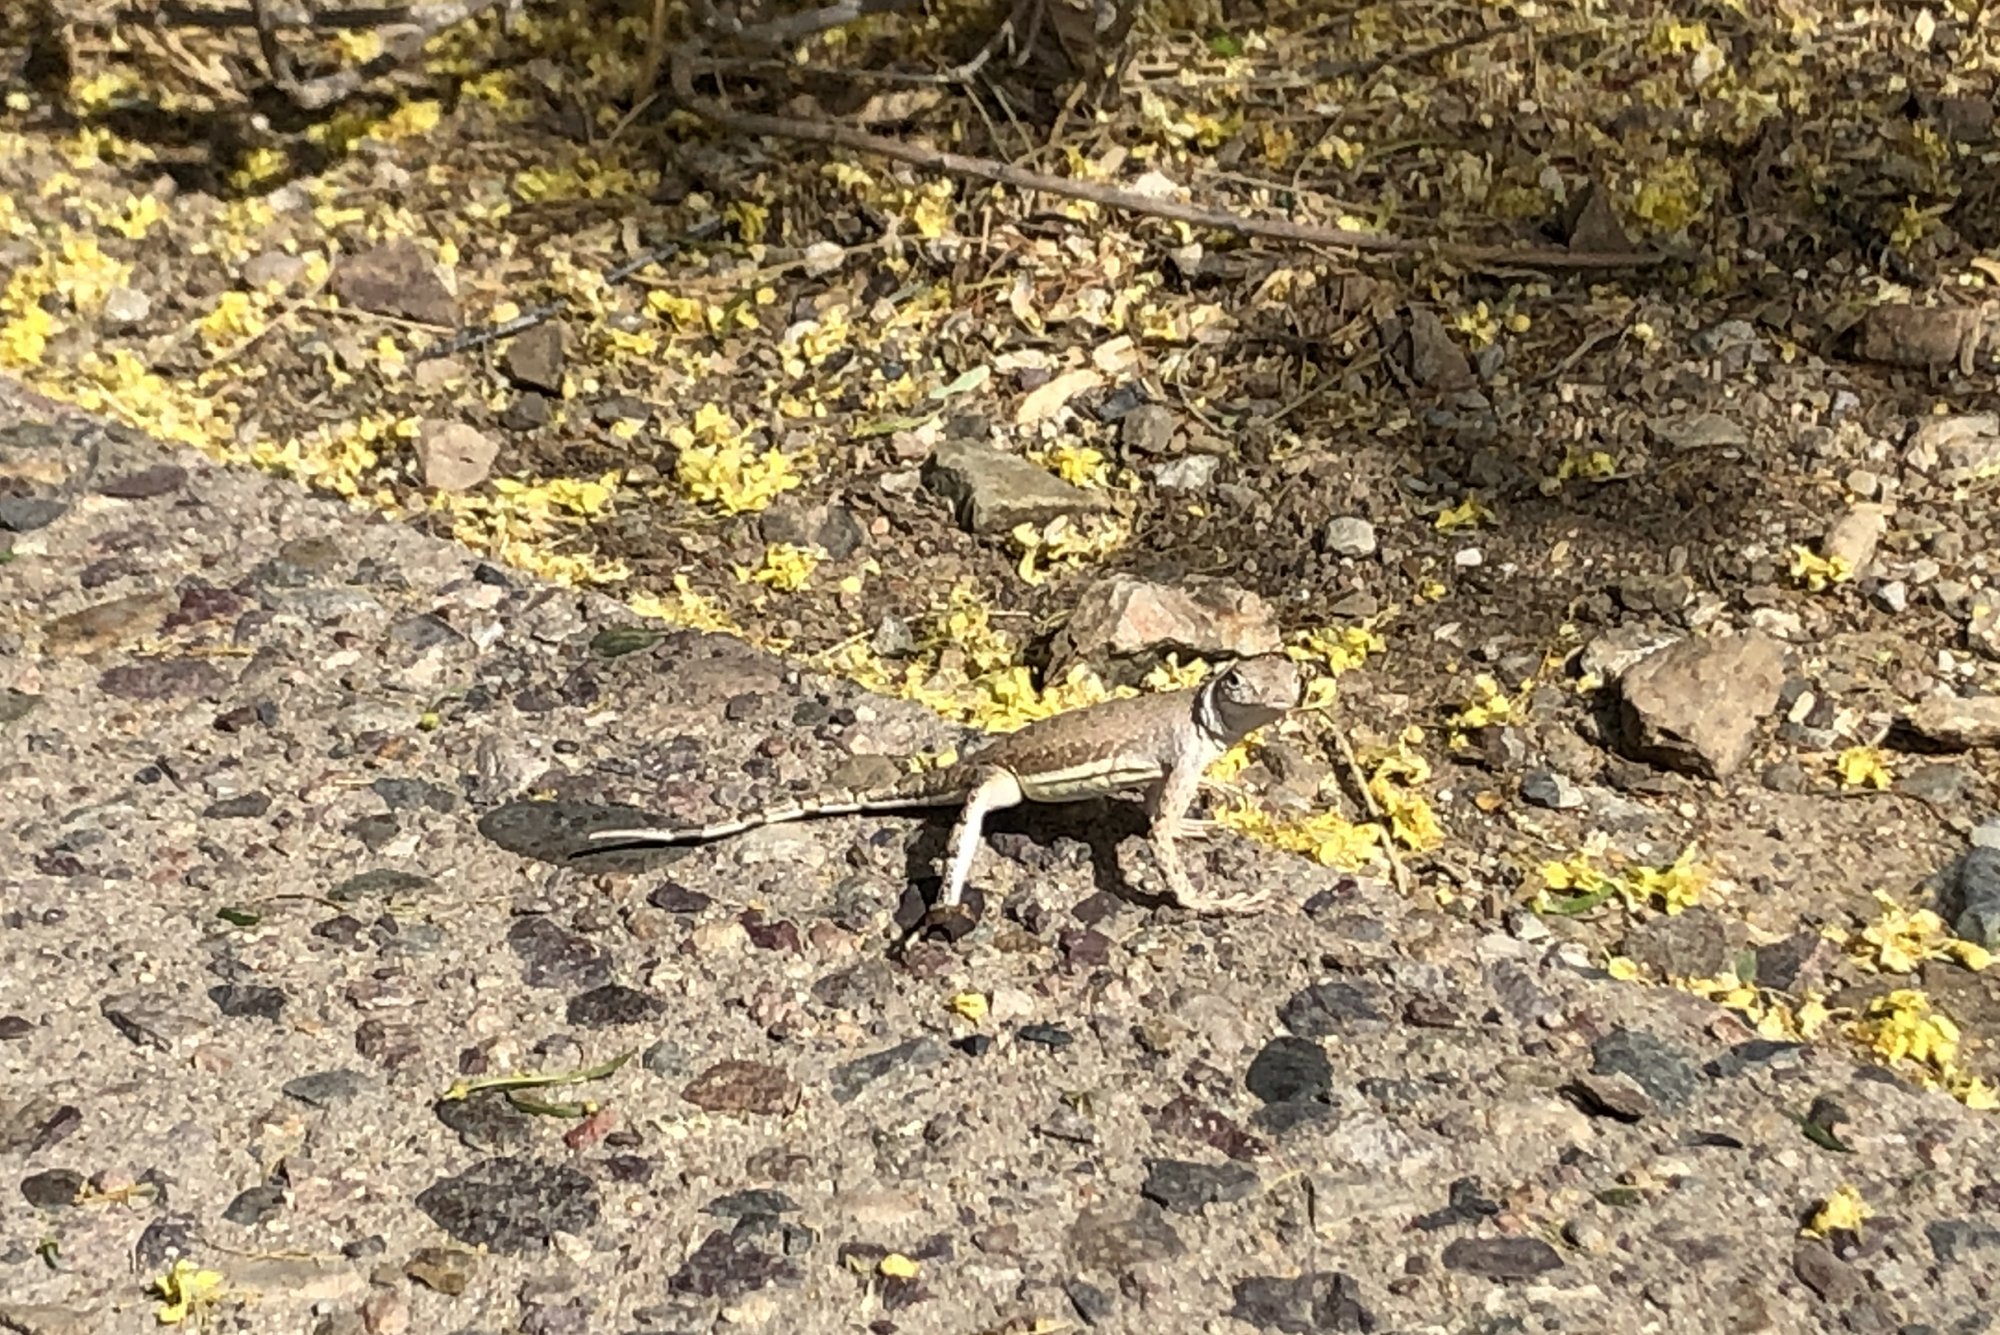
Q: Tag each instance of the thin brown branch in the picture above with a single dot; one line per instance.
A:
(681, 80)
(177, 15)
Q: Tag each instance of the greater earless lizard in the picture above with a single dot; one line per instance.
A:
(1161, 743)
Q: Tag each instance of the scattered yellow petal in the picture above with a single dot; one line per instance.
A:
(1844, 1210)
(1863, 767)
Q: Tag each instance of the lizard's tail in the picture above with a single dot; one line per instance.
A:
(660, 836)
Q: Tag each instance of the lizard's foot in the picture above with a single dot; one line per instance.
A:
(948, 921)
(1241, 901)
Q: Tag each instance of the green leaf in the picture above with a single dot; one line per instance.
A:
(1225, 45)
(236, 917)
(465, 1088)
(1569, 908)
(617, 641)
(1823, 1136)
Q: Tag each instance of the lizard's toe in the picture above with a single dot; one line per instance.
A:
(1243, 901)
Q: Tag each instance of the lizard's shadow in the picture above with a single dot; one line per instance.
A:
(1037, 833)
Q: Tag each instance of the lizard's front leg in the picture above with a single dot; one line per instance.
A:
(1168, 804)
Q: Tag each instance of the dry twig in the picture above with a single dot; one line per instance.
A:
(681, 82)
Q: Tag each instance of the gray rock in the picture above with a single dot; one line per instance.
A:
(1697, 431)
(831, 528)
(1956, 449)
(1113, 1241)
(1854, 536)
(272, 266)
(1192, 472)
(125, 307)
(1973, 901)
(1956, 723)
(1122, 626)
(1696, 705)
(1290, 1070)
(1502, 1258)
(396, 279)
(453, 455)
(528, 412)
(991, 492)
(512, 1205)
(25, 514)
(1892, 597)
(1610, 655)
(1546, 788)
(1658, 1068)
(1697, 943)
(850, 1079)
(1148, 429)
(1348, 536)
(152, 1019)
(1938, 783)
(1317, 1301)
(1186, 1188)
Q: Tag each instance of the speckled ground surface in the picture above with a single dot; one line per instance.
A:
(268, 889)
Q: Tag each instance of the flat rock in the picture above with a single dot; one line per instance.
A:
(743, 1087)
(1698, 943)
(153, 1020)
(1123, 626)
(1185, 1187)
(1954, 722)
(397, 279)
(454, 456)
(992, 492)
(1502, 1258)
(1853, 538)
(1696, 705)
(1114, 1240)
(511, 1205)
(50, 1319)
(1697, 431)
(1957, 449)
(1609, 656)
(1348, 536)
(1317, 1301)
(535, 358)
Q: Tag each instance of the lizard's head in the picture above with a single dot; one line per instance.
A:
(1246, 695)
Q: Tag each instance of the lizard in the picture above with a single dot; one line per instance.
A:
(1161, 743)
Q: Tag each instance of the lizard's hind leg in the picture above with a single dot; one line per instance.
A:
(996, 790)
